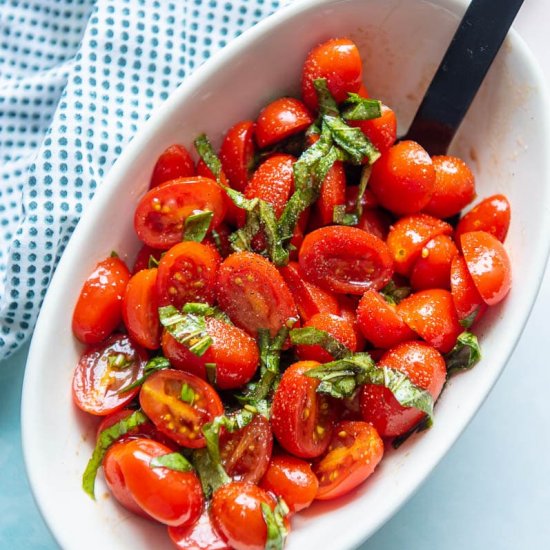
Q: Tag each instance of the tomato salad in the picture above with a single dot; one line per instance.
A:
(298, 304)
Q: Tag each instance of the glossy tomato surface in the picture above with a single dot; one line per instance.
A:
(237, 154)
(198, 536)
(174, 162)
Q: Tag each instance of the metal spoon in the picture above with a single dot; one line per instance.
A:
(461, 72)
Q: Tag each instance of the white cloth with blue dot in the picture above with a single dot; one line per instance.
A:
(77, 80)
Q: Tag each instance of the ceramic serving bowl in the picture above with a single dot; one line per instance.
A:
(505, 138)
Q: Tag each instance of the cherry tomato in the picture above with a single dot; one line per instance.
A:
(301, 418)
(169, 496)
(233, 351)
(237, 516)
(368, 200)
(291, 479)
(280, 119)
(333, 193)
(180, 417)
(466, 297)
(352, 456)
(488, 264)
(237, 154)
(140, 309)
(144, 256)
(187, 273)
(381, 131)
(409, 235)
(105, 369)
(174, 162)
(432, 315)
(337, 327)
(345, 260)
(339, 62)
(491, 215)
(454, 187)
(98, 310)
(375, 221)
(198, 536)
(433, 268)
(348, 310)
(380, 323)
(160, 216)
(253, 293)
(403, 178)
(425, 368)
(245, 453)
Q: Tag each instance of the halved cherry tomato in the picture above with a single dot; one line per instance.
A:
(144, 256)
(160, 216)
(424, 366)
(280, 119)
(337, 327)
(409, 235)
(174, 162)
(345, 260)
(180, 417)
(98, 310)
(245, 453)
(199, 536)
(236, 514)
(380, 323)
(466, 297)
(454, 187)
(237, 154)
(253, 293)
(403, 178)
(491, 215)
(291, 479)
(348, 310)
(381, 131)
(488, 264)
(352, 456)
(187, 273)
(234, 353)
(103, 371)
(140, 309)
(333, 193)
(375, 221)
(432, 315)
(433, 268)
(301, 418)
(169, 496)
(339, 62)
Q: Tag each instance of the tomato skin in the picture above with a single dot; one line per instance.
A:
(352, 456)
(432, 315)
(491, 215)
(348, 310)
(143, 256)
(488, 264)
(98, 310)
(381, 131)
(198, 536)
(333, 193)
(160, 215)
(236, 514)
(253, 294)
(187, 273)
(237, 154)
(433, 268)
(375, 221)
(301, 419)
(380, 323)
(337, 327)
(174, 162)
(426, 369)
(463, 289)
(345, 260)
(339, 62)
(454, 187)
(169, 496)
(96, 383)
(280, 119)
(403, 178)
(234, 352)
(140, 309)
(409, 235)
(291, 479)
(221, 244)
(160, 399)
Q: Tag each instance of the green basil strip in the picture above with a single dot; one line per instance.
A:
(172, 461)
(425, 424)
(119, 361)
(152, 262)
(200, 308)
(197, 225)
(393, 294)
(211, 474)
(464, 355)
(327, 103)
(188, 329)
(275, 523)
(153, 365)
(311, 336)
(468, 321)
(114, 254)
(361, 108)
(208, 155)
(340, 215)
(106, 438)
(211, 372)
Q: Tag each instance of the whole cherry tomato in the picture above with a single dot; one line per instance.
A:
(348, 310)
(174, 162)
(466, 297)
(333, 193)
(381, 131)
(198, 536)
(237, 154)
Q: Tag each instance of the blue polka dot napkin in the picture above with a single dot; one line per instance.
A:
(77, 80)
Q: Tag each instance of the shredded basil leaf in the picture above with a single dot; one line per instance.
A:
(208, 155)
(153, 365)
(119, 361)
(172, 461)
(312, 336)
(393, 294)
(275, 523)
(211, 372)
(187, 394)
(197, 225)
(152, 262)
(425, 424)
(114, 254)
(464, 355)
(206, 310)
(340, 216)
(468, 321)
(356, 107)
(211, 474)
(327, 103)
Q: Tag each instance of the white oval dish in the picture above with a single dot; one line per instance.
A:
(505, 138)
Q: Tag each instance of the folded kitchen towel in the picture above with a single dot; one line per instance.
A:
(77, 79)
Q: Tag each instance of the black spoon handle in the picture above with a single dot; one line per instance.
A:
(462, 70)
